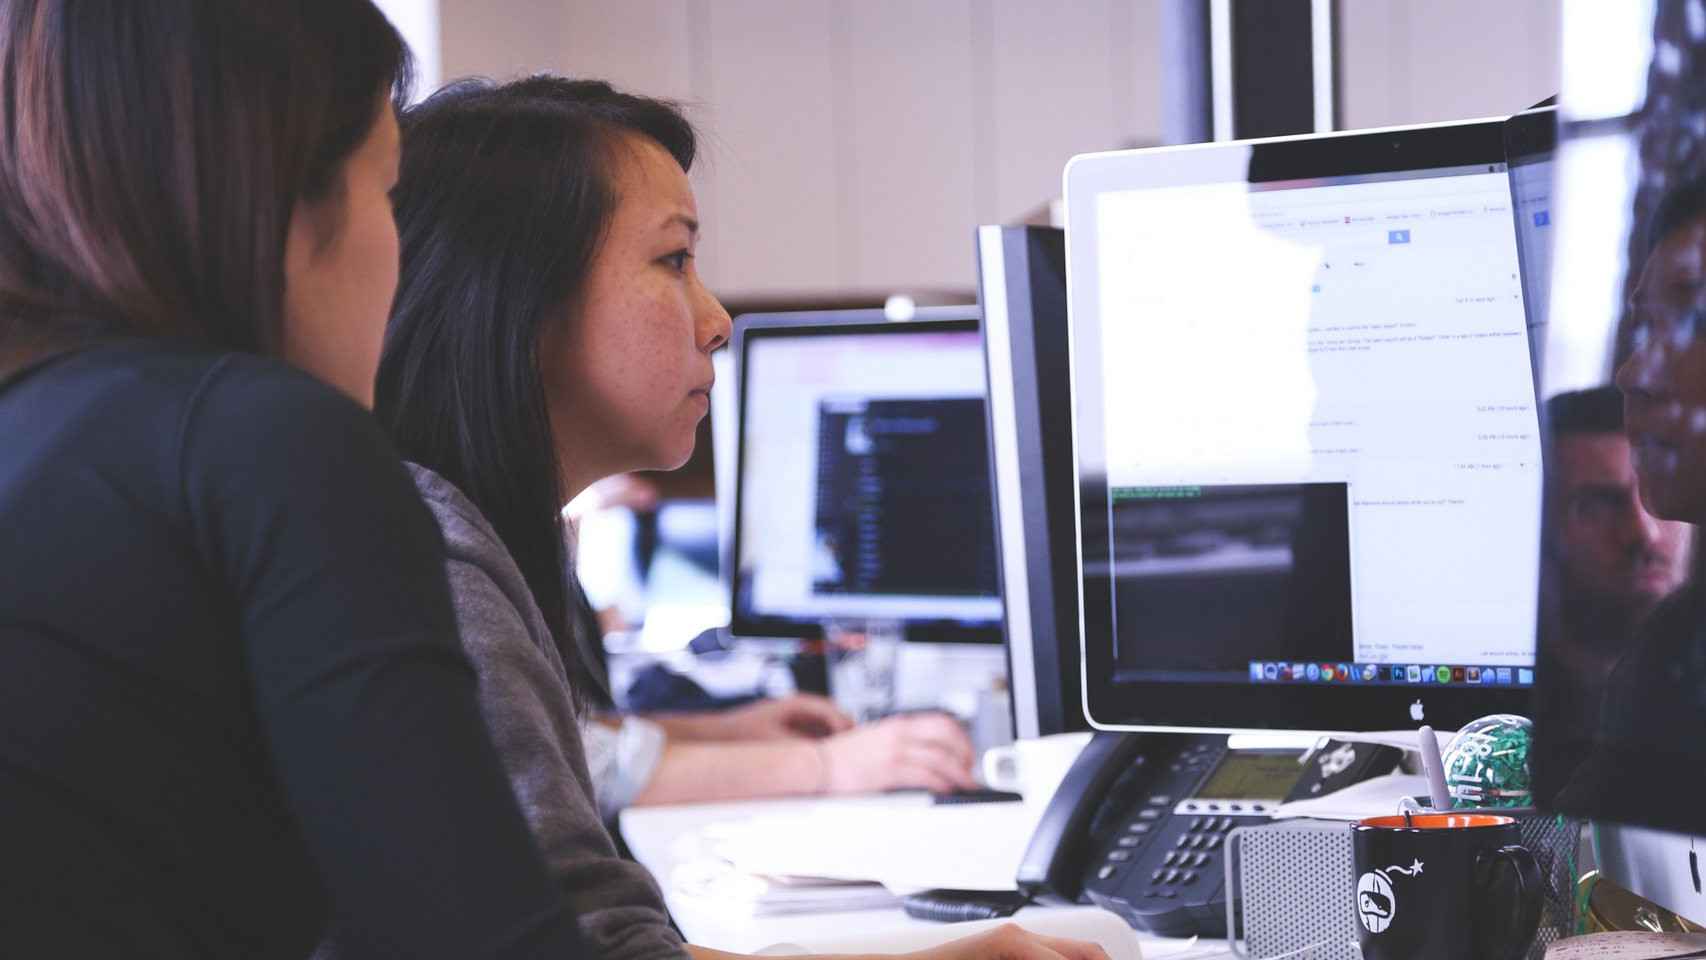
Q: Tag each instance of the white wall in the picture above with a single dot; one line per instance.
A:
(1408, 61)
(850, 146)
(418, 22)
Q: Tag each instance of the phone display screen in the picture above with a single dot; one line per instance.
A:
(1251, 775)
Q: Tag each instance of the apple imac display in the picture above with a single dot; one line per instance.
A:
(862, 481)
(1022, 289)
(1621, 704)
(1309, 464)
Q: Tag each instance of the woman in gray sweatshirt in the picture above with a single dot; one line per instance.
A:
(550, 330)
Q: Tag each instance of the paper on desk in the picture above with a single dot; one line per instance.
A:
(719, 883)
(1077, 923)
(1374, 797)
(904, 848)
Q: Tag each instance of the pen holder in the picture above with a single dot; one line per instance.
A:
(1292, 887)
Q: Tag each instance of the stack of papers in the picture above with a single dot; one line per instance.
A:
(1374, 797)
(720, 884)
(1078, 923)
(960, 847)
(1629, 946)
(856, 854)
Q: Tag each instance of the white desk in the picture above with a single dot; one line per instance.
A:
(660, 837)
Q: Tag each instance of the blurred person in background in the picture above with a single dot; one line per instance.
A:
(1609, 561)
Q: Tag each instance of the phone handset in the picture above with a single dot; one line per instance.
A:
(1054, 864)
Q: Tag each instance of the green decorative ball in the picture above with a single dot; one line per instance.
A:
(1487, 763)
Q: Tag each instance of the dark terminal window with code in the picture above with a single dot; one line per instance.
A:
(903, 504)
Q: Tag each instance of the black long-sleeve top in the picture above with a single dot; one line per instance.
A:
(233, 708)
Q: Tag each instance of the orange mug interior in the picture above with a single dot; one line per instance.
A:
(1436, 821)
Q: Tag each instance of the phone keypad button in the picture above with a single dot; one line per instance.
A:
(1196, 824)
(1184, 840)
(1119, 856)
(1157, 876)
(1138, 828)
(1167, 894)
(1214, 842)
(1149, 813)
(1129, 841)
(1104, 873)
(1188, 877)
(1226, 824)
(1171, 857)
(1200, 860)
(1160, 801)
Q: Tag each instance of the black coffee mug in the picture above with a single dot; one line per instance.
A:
(1444, 886)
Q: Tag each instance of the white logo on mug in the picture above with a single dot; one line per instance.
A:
(1377, 903)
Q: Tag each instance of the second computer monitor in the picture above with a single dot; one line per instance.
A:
(1309, 458)
(1022, 285)
(863, 483)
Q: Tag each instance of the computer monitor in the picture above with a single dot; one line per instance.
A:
(725, 449)
(1530, 146)
(1305, 429)
(1621, 721)
(1022, 289)
(862, 482)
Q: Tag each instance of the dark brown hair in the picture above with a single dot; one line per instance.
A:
(504, 194)
(151, 154)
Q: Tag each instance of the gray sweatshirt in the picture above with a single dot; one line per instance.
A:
(528, 706)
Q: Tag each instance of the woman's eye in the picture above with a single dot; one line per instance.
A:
(677, 261)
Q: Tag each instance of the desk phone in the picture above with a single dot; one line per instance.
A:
(1139, 824)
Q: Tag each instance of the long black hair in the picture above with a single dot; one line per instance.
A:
(151, 155)
(504, 195)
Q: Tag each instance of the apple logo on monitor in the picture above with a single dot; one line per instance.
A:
(1416, 711)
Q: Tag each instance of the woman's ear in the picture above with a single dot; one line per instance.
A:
(314, 225)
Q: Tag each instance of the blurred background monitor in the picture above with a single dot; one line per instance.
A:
(1621, 725)
(862, 476)
(1022, 288)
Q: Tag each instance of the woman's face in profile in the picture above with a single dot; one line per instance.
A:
(340, 268)
(628, 374)
(1664, 378)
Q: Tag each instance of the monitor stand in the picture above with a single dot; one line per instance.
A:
(1665, 868)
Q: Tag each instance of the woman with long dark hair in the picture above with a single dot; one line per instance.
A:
(550, 330)
(233, 709)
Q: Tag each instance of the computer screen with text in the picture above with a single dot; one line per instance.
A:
(864, 477)
(1315, 436)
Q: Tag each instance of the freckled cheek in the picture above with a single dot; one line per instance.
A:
(655, 345)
